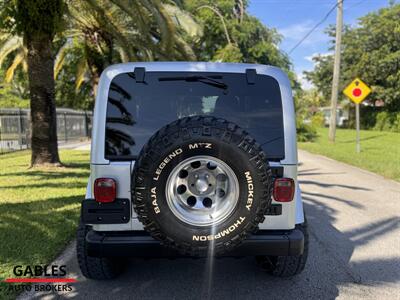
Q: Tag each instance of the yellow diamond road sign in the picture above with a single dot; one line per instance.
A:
(357, 91)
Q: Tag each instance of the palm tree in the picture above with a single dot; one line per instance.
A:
(108, 30)
(36, 25)
(111, 31)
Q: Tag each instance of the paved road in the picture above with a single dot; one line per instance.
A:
(355, 242)
(75, 145)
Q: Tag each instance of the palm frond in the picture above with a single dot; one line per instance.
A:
(157, 12)
(8, 46)
(165, 24)
(122, 53)
(81, 73)
(18, 59)
(104, 19)
(60, 57)
(184, 49)
(184, 20)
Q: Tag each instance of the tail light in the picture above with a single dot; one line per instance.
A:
(284, 189)
(105, 190)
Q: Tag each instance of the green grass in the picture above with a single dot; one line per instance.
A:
(39, 209)
(380, 151)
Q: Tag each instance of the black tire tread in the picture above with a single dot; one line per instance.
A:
(224, 127)
(287, 266)
(99, 268)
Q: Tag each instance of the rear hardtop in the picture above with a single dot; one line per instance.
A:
(129, 110)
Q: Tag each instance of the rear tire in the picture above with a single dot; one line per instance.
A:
(286, 266)
(99, 268)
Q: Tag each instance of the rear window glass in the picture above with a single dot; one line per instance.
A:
(136, 110)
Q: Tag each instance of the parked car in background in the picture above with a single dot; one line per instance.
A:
(342, 116)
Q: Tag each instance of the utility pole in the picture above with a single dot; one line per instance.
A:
(336, 71)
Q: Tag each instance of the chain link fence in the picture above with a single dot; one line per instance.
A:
(15, 127)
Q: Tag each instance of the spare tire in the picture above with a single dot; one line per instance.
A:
(201, 184)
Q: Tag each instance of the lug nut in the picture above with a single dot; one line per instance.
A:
(211, 166)
(191, 201)
(181, 189)
(207, 202)
(221, 177)
(195, 164)
(220, 193)
(183, 174)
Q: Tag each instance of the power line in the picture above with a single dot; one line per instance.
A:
(355, 4)
(315, 27)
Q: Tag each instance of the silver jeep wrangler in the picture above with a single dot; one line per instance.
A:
(193, 159)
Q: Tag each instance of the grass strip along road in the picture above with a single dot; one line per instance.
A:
(39, 209)
(380, 150)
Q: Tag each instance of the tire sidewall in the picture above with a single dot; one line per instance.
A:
(152, 186)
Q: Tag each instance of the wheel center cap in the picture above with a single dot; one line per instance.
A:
(201, 185)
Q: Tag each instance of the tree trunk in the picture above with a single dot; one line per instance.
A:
(42, 94)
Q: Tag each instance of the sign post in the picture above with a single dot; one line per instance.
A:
(357, 91)
(358, 127)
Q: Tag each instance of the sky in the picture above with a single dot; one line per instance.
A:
(295, 18)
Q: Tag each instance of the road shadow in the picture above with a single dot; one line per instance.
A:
(333, 185)
(328, 269)
(313, 172)
(372, 137)
(329, 266)
(340, 245)
(307, 195)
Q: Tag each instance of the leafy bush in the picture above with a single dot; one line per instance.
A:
(318, 120)
(375, 118)
(10, 99)
(396, 124)
(367, 116)
(386, 121)
(305, 132)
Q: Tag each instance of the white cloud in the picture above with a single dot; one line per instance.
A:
(295, 32)
(305, 84)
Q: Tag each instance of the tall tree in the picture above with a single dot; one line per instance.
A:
(371, 51)
(232, 35)
(227, 26)
(38, 22)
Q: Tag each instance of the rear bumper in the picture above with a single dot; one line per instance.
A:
(140, 244)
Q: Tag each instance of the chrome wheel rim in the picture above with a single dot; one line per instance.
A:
(202, 191)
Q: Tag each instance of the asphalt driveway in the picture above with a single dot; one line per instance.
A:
(354, 251)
